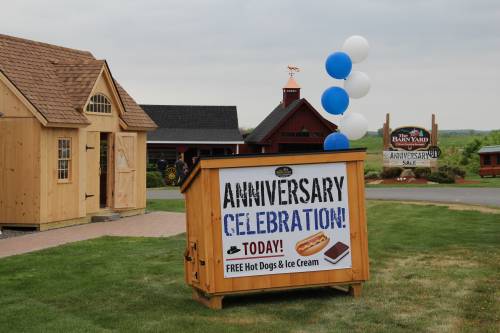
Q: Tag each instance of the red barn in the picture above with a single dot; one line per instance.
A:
(489, 159)
(294, 125)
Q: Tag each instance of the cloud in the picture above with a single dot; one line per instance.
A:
(435, 56)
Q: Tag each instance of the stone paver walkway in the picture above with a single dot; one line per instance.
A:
(156, 224)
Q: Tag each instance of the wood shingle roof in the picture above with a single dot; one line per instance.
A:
(57, 81)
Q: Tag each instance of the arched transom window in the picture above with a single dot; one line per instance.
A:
(99, 104)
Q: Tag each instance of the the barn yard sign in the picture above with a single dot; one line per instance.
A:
(410, 147)
(410, 138)
(284, 219)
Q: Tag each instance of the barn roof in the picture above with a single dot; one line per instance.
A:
(194, 123)
(275, 119)
(489, 149)
(57, 81)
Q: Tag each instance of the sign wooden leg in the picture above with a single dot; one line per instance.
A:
(212, 302)
(355, 290)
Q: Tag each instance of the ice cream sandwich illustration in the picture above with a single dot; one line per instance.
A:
(336, 253)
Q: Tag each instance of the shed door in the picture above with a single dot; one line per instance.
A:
(125, 170)
(92, 183)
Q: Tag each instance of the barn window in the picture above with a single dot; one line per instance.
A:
(99, 104)
(487, 160)
(64, 159)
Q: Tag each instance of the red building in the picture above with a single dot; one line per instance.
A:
(489, 159)
(294, 125)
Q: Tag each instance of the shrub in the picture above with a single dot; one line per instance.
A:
(372, 175)
(154, 179)
(441, 178)
(390, 173)
(452, 170)
(422, 173)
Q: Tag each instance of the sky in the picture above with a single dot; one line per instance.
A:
(426, 56)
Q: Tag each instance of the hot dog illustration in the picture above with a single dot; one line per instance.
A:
(312, 244)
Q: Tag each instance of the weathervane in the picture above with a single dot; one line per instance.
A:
(292, 70)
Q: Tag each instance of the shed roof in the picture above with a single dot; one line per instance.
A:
(275, 118)
(489, 149)
(194, 123)
(57, 81)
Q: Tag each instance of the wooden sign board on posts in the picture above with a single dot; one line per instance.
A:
(275, 221)
(410, 146)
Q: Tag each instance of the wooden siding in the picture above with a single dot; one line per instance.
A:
(19, 161)
(141, 170)
(62, 200)
(92, 195)
(19, 170)
(104, 122)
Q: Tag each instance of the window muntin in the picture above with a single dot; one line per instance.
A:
(99, 104)
(63, 159)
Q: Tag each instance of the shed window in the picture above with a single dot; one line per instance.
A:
(99, 104)
(487, 159)
(64, 159)
(498, 159)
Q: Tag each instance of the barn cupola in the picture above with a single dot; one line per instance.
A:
(291, 91)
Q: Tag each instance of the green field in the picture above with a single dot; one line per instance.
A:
(432, 270)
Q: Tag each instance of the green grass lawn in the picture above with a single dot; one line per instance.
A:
(432, 269)
(173, 205)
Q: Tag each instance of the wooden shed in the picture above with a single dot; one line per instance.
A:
(489, 159)
(72, 141)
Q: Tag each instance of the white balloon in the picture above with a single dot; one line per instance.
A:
(357, 48)
(357, 84)
(353, 125)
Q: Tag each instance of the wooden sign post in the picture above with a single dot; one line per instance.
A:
(275, 221)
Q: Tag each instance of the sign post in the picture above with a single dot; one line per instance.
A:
(277, 221)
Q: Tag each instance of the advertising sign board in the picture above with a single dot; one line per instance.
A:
(409, 159)
(410, 138)
(284, 219)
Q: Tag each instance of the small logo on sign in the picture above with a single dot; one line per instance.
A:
(283, 171)
(434, 151)
(233, 249)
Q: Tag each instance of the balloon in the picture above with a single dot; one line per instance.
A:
(336, 141)
(335, 100)
(357, 48)
(353, 125)
(338, 65)
(357, 84)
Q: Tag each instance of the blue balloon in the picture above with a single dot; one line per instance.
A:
(335, 100)
(336, 141)
(338, 65)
